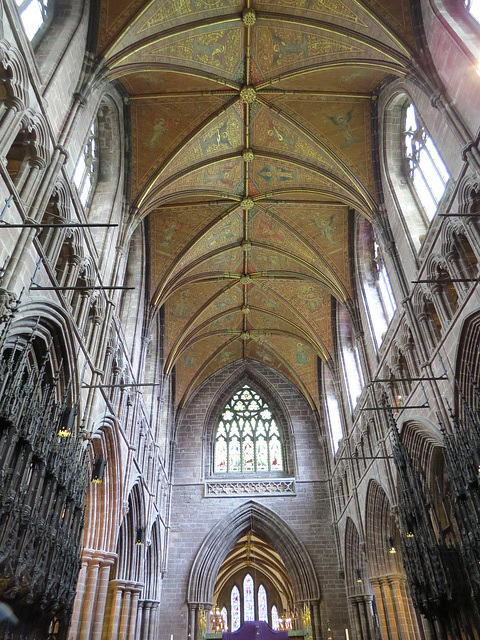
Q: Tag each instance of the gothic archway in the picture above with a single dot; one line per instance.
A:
(274, 530)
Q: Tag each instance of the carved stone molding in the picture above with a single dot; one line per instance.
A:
(258, 487)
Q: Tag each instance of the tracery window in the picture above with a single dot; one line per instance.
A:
(235, 608)
(247, 437)
(85, 172)
(33, 14)
(248, 599)
(473, 8)
(274, 618)
(262, 604)
(426, 170)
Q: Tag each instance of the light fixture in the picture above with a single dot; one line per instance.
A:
(66, 422)
(287, 620)
(140, 536)
(358, 573)
(217, 622)
(98, 471)
(391, 545)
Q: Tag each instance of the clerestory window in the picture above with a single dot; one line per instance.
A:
(247, 439)
(33, 14)
(85, 173)
(377, 291)
(473, 8)
(426, 171)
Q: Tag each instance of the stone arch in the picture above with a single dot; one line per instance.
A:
(355, 566)
(259, 384)
(130, 557)
(15, 74)
(274, 530)
(380, 526)
(396, 616)
(467, 365)
(103, 512)
(51, 322)
(443, 290)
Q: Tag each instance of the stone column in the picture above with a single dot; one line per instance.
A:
(133, 612)
(101, 595)
(89, 598)
(153, 621)
(145, 619)
(77, 608)
(117, 587)
(125, 611)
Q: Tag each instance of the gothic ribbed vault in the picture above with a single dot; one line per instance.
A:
(251, 141)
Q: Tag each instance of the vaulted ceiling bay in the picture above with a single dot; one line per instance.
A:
(251, 142)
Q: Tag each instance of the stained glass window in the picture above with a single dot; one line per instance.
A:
(247, 437)
(225, 616)
(33, 14)
(248, 599)
(235, 608)
(86, 169)
(274, 618)
(473, 7)
(426, 170)
(262, 604)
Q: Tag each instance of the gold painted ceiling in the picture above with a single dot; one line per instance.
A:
(251, 140)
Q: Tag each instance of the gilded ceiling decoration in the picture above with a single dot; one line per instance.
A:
(251, 145)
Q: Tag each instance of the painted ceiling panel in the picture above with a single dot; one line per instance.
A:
(251, 144)
(152, 81)
(200, 361)
(172, 229)
(157, 129)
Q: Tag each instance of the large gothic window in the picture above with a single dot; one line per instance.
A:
(85, 172)
(247, 437)
(473, 7)
(426, 170)
(33, 14)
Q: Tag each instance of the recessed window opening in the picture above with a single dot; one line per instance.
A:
(473, 8)
(85, 172)
(33, 14)
(247, 439)
(333, 410)
(426, 170)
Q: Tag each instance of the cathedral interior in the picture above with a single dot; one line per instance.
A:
(239, 319)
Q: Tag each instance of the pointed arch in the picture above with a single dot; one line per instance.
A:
(260, 385)
(269, 526)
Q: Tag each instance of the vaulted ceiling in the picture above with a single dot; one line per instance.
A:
(251, 140)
